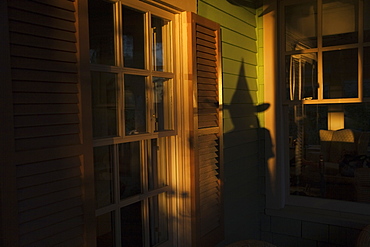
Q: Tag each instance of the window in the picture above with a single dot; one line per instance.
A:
(325, 58)
(133, 101)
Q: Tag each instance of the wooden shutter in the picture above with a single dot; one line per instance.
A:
(207, 205)
(47, 141)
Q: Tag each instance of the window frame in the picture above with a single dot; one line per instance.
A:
(280, 197)
(168, 136)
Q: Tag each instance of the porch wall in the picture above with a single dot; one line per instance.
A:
(244, 199)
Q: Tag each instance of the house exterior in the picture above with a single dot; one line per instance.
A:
(183, 123)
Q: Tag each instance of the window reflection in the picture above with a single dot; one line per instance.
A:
(160, 40)
(103, 168)
(340, 22)
(300, 26)
(340, 73)
(101, 32)
(135, 104)
(163, 103)
(104, 104)
(133, 38)
(131, 225)
(301, 76)
(105, 230)
(366, 20)
(129, 169)
(329, 150)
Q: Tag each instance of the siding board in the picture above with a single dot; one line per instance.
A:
(45, 98)
(46, 76)
(44, 87)
(22, 133)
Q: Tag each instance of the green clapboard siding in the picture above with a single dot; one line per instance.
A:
(242, 66)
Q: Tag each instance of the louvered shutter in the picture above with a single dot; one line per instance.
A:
(48, 153)
(207, 206)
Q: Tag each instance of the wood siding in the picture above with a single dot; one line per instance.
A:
(207, 132)
(244, 161)
(47, 126)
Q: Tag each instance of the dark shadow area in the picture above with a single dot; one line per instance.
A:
(247, 147)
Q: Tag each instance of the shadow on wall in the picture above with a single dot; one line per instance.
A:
(248, 146)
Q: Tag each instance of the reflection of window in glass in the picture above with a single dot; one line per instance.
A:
(158, 219)
(131, 225)
(340, 22)
(157, 168)
(104, 104)
(163, 103)
(129, 169)
(160, 36)
(105, 230)
(329, 148)
(101, 32)
(300, 26)
(340, 73)
(366, 72)
(133, 38)
(366, 21)
(135, 104)
(301, 76)
(103, 167)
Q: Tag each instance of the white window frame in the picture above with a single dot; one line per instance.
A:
(178, 180)
(277, 172)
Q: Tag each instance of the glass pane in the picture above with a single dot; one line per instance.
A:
(366, 72)
(103, 170)
(133, 38)
(163, 105)
(157, 168)
(105, 230)
(340, 74)
(340, 25)
(161, 43)
(301, 76)
(101, 32)
(104, 104)
(329, 148)
(135, 104)
(158, 219)
(300, 26)
(131, 226)
(366, 20)
(129, 169)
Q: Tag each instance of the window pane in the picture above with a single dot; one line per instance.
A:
(163, 104)
(300, 26)
(329, 150)
(340, 25)
(366, 20)
(129, 169)
(131, 226)
(157, 168)
(104, 104)
(103, 170)
(133, 38)
(105, 230)
(340, 74)
(301, 76)
(135, 104)
(366, 72)
(101, 32)
(161, 43)
(158, 220)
